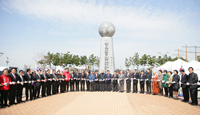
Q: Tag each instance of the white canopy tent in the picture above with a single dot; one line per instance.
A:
(176, 65)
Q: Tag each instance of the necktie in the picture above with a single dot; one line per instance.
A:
(29, 76)
(82, 74)
(77, 74)
(141, 76)
(39, 76)
(114, 76)
(14, 76)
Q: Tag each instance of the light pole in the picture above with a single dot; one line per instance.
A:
(7, 62)
(163, 56)
(1, 53)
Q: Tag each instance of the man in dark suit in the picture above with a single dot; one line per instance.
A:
(72, 80)
(192, 79)
(28, 78)
(102, 80)
(142, 79)
(54, 83)
(115, 81)
(96, 81)
(82, 78)
(13, 88)
(44, 84)
(148, 82)
(77, 77)
(59, 83)
(20, 86)
(108, 80)
(49, 83)
(37, 78)
(87, 80)
(135, 81)
(128, 81)
(184, 80)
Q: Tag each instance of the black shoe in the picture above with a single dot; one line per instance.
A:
(184, 101)
(191, 103)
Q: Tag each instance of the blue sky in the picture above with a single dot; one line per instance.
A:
(28, 27)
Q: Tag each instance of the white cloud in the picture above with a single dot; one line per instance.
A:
(140, 22)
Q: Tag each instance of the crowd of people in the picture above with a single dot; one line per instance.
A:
(47, 83)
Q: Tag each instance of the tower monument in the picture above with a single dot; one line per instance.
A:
(107, 60)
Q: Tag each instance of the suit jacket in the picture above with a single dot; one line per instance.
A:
(43, 78)
(72, 77)
(54, 77)
(102, 76)
(176, 78)
(193, 78)
(149, 76)
(27, 78)
(116, 77)
(108, 76)
(128, 75)
(82, 75)
(136, 76)
(97, 76)
(37, 78)
(184, 79)
(48, 76)
(142, 77)
(13, 79)
(77, 76)
(87, 76)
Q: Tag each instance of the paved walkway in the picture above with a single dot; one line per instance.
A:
(101, 103)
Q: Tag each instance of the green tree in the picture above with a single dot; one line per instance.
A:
(198, 58)
(136, 59)
(83, 60)
(127, 63)
(97, 61)
(67, 59)
(159, 60)
(92, 60)
(144, 59)
(75, 60)
(56, 60)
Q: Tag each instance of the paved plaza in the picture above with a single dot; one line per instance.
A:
(102, 103)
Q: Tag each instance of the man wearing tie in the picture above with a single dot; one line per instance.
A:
(96, 82)
(102, 82)
(135, 81)
(44, 84)
(108, 80)
(82, 80)
(37, 84)
(128, 81)
(77, 76)
(148, 82)
(72, 81)
(87, 81)
(142, 78)
(28, 78)
(115, 81)
(49, 82)
(54, 83)
(13, 87)
(184, 80)
(20, 87)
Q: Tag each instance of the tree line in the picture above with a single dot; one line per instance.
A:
(65, 59)
(135, 60)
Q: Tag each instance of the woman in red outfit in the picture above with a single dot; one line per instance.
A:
(4, 79)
